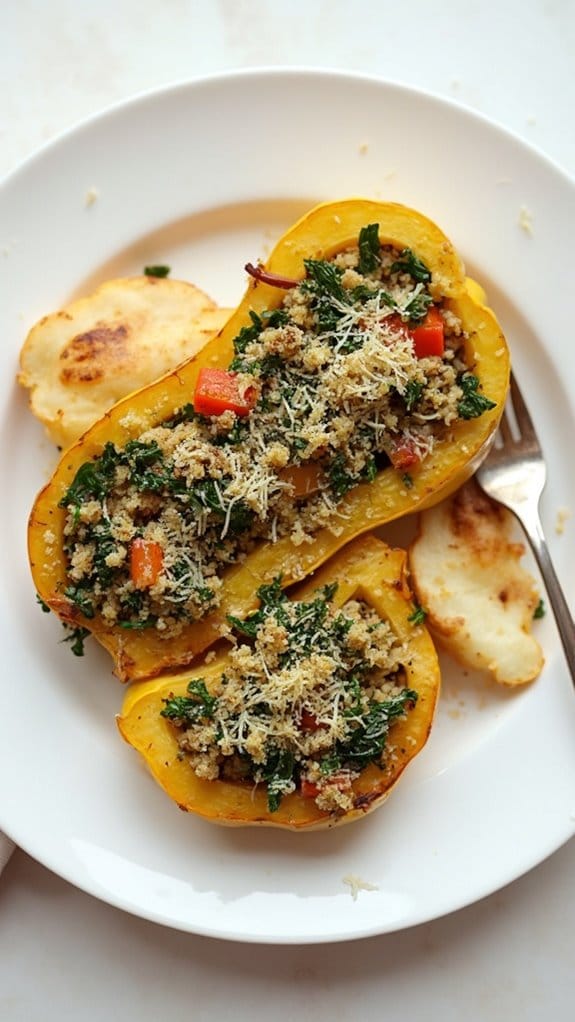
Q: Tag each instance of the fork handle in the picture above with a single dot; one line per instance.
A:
(565, 625)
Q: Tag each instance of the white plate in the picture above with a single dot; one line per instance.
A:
(204, 176)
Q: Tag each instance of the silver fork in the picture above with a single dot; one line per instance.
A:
(514, 474)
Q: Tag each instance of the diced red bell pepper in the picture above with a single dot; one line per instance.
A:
(428, 337)
(403, 456)
(308, 789)
(217, 391)
(309, 722)
(146, 562)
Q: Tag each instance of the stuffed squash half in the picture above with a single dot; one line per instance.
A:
(360, 379)
(311, 716)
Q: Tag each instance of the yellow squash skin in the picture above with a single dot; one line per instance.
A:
(366, 569)
(326, 229)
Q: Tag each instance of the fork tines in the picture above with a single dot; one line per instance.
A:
(524, 420)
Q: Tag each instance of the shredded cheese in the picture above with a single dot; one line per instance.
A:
(356, 884)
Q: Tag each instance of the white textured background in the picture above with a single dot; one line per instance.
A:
(65, 956)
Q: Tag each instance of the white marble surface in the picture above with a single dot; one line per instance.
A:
(63, 955)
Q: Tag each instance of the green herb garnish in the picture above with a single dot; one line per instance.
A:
(418, 616)
(324, 278)
(271, 598)
(93, 480)
(412, 394)
(248, 334)
(473, 403)
(76, 637)
(417, 307)
(340, 478)
(80, 597)
(139, 624)
(368, 739)
(278, 774)
(369, 248)
(197, 705)
(408, 262)
(323, 281)
(160, 270)
(370, 471)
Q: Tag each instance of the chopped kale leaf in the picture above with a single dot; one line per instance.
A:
(370, 471)
(473, 403)
(248, 333)
(80, 597)
(412, 394)
(159, 270)
(76, 637)
(418, 616)
(417, 307)
(340, 478)
(328, 591)
(408, 262)
(197, 705)
(186, 413)
(273, 318)
(101, 536)
(236, 435)
(271, 597)
(329, 764)
(278, 774)
(41, 603)
(148, 469)
(323, 278)
(368, 739)
(323, 282)
(369, 248)
(93, 480)
(139, 624)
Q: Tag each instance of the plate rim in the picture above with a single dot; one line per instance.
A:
(290, 71)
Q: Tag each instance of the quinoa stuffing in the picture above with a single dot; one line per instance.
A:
(358, 369)
(307, 700)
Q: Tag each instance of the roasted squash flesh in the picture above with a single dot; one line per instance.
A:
(328, 229)
(367, 570)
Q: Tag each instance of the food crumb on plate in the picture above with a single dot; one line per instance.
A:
(563, 514)
(526, 221)
(91, 196)
(356, 884)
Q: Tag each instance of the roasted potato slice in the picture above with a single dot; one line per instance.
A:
(79, 361)
(479, 600)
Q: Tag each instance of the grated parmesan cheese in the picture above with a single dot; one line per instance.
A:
(563, 515)
(525, 221)
(356, 884)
